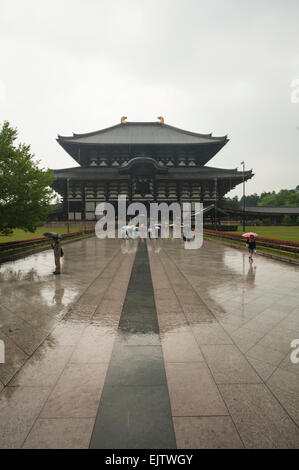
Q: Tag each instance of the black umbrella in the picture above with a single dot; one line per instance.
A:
(52, 235)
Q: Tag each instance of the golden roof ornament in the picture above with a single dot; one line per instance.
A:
(123, 119)
(161, 119)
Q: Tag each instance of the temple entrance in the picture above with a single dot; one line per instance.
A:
(143, 185)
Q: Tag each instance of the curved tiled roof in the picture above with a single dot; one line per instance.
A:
(141, 133)
(175, 173)
(273, 210)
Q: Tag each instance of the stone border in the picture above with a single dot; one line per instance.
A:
(23, 254)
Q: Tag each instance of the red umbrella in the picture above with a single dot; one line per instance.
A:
(250, 234)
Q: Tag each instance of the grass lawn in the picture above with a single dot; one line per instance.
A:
(273, 231)
(21, 235)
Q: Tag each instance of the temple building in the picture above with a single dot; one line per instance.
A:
(147, 162)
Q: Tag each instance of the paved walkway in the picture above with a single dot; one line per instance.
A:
(92, 361)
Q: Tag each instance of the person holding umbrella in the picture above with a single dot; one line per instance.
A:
(250, 243)
(56, 246)
(57, 254)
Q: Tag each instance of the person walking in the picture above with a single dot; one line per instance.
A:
(57, 254)
(251, 245)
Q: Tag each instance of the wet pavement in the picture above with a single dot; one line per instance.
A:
(134, 411)
(149, 346)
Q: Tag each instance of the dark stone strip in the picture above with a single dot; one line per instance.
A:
(134, 411)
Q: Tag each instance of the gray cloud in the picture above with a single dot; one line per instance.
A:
(224, 66)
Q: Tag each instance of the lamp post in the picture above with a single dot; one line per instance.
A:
(216, 209)
(243, 163)
(68, 205)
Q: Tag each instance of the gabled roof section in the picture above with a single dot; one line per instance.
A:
(154, 133)
(273, 210)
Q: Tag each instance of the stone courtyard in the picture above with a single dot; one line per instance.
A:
(146, 345)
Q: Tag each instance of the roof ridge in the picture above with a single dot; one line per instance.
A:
(226, 169)
(276, 207)
(196, 134)
(69, 168)
(87, 134)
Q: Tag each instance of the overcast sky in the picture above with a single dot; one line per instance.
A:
(221, 66)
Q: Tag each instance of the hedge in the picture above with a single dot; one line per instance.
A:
(221, 228)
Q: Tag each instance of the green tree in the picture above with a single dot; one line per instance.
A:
(286, 220)
(251, 200)
(269, 201)
(285, 197)
(232, 203)
(265, 193)
(25, 193)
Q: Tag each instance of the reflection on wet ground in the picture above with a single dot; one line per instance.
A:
(223, 327)
(134, 410)
(33, 300)
(239, 320)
